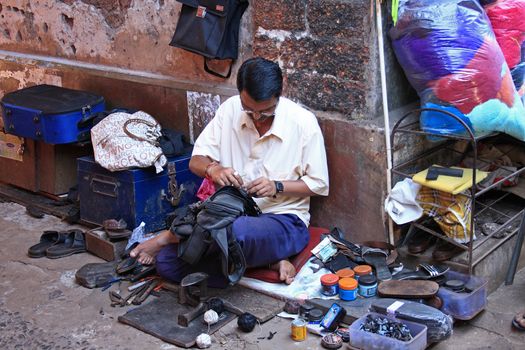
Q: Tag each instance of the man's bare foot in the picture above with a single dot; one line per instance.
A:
(146, 251)
(286, 271)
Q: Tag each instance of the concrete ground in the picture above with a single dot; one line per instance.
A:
(42, 307)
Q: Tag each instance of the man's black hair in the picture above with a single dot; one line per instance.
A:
(262, 79)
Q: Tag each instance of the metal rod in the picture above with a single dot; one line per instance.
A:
(499, 182)
(386, 116)
(489, 206)
(419, 132)
(445, 238)
(472, 200)
(494, 247)
(424, 154)
(516, 253)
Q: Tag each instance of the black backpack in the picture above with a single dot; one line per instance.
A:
(209, 222)
(210, 28)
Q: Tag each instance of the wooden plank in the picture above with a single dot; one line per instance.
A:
(159, 318)
(26, 198)
(262, 306)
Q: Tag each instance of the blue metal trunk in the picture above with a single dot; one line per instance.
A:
(134, 195)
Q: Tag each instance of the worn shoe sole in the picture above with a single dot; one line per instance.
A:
(68, 253)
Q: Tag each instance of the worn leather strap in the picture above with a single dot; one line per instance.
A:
(392, 251)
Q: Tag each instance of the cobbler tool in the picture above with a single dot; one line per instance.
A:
(193, 291)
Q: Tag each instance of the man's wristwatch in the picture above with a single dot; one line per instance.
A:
(279, 188)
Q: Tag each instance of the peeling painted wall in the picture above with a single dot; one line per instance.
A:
(122, 33)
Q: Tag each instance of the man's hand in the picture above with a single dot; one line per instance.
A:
(261, 187)
(224, 176)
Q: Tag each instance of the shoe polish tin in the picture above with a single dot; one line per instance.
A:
(329, 283)
(368, 286)
(299, 329)
(347, 289)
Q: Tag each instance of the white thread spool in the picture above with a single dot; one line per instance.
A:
(203, 340)
(211, 317)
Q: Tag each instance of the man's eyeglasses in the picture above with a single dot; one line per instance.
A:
(259, 115)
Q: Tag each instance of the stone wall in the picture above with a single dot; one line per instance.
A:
(327, 49)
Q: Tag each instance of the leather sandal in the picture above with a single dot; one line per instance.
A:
(73, 243)
(420, 242)
(116, 229)
(114, 225)
(48, 239)
(445, 251)
(120, 234)
(127, 264)
(131, 268)
(377, 258)
(35, 212)
(519, 321)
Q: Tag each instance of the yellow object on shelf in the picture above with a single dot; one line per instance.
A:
(450, 184)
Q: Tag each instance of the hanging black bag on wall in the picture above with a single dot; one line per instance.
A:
(210, 28)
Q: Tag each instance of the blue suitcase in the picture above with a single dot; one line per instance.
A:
(52, 114)
(135, 195)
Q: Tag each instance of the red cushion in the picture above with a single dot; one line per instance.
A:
(267, 275)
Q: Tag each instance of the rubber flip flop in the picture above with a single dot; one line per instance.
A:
(47, 239)
(377, 258)
(74, 243)
(407, 289)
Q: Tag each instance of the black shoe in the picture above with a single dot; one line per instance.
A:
(48, 239)
(73, 243)
(420, 242)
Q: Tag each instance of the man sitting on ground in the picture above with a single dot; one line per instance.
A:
(274, 149)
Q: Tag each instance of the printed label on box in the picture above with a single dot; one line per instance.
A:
(11, 147)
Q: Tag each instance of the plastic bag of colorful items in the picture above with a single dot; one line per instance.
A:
(508, 22)
(451, 57)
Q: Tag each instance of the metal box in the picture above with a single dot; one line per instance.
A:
(135, 195)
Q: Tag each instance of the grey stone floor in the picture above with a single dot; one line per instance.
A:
(42, 307)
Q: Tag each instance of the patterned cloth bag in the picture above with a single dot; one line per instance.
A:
(122, 141)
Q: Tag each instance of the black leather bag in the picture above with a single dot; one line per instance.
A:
(210, 28)
(209, 222)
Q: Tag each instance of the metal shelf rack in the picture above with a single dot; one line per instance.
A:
(474, 255)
